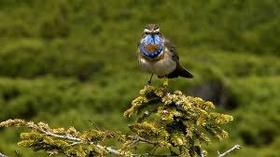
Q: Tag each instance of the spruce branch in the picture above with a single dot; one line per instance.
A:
(235, 147)
(141, 139)
(3, 155)
(173, 121)
(71, 139)
(66, 136)
(202, 153)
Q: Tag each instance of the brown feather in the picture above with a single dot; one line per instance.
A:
(180, 71)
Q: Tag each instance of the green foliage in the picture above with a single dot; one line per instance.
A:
(169, 120)
(21, 98)
(75, 60)
(50, 60)
(91, 28)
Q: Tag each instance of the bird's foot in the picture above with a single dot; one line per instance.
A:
(165, 82)
(150, 80)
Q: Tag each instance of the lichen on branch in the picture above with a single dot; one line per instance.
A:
(69, 142)
(177, 123)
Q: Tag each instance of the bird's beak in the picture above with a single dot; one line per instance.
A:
(153, 33)
(153, 37)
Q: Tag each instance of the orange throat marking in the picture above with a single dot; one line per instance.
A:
(151, 48)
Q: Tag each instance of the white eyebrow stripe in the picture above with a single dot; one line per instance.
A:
(157, 30)
(146, 30)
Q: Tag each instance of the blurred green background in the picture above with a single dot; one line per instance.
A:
(73, 63)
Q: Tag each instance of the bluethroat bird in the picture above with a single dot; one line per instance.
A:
(157, 55)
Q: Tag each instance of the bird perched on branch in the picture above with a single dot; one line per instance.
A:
(157, 55)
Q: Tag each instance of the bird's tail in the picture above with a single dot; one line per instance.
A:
(180, 71)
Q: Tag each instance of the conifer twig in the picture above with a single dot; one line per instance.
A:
(49, 132)
(235, 147)
(141, 139)
(161, 125)
(76, 140)
(202, 153)
(3, 155)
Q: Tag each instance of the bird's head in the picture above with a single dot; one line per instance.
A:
(151, 44)
(151, 29)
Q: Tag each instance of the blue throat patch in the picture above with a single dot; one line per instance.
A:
(154, 40)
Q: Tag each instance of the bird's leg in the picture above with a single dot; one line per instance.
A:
(165, 81)
(150, 80)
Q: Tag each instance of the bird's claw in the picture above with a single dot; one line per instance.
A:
(165, 82)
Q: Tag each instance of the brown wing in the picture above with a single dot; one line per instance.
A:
(179, 71)
(171, 47)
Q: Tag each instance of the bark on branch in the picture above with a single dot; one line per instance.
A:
(235, 147)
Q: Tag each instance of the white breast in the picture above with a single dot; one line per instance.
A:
(161, 67)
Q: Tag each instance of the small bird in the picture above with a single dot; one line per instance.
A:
(157, 55)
